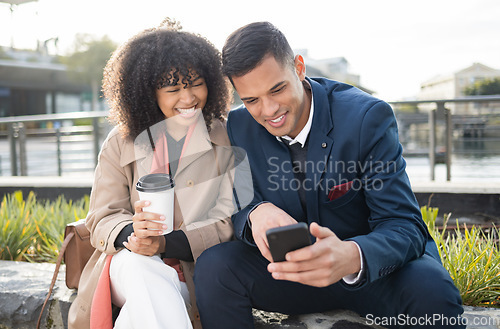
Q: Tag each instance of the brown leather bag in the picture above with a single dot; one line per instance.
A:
(76, 250)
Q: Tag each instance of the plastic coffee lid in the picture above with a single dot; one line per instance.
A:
(155, 183)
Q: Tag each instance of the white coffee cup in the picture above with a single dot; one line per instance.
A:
(158, 189)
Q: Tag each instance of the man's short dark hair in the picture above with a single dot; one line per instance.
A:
(246, 47)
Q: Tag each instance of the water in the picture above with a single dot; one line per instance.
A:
(473, 160)
(463, 169)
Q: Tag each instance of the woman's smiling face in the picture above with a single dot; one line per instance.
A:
(180, 101)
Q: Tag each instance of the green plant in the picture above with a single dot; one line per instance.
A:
(34, 231)
(429, 215)
(17, 228)
(472, 258)
(484, 87)
(50, 220)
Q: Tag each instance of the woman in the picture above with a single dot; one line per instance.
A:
(168, 97)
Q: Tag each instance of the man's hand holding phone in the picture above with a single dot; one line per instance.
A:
(321, 264)
(263, 218)
(325, 262)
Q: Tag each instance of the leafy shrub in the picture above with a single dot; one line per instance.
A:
(17, 228)
(33, 231)
(472, 258)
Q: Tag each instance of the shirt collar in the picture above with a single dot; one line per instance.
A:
(301, 138)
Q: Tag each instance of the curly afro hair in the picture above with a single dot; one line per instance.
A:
(155, 58)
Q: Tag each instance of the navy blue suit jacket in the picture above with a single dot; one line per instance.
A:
(353, 141)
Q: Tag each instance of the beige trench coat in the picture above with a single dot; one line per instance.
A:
(205, 221)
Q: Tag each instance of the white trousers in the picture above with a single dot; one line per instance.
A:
(149, 293)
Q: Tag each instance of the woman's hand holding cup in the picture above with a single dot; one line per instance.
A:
(156, 194)
(147, 224)
(147, 238)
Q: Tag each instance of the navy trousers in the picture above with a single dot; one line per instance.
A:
(232, 278)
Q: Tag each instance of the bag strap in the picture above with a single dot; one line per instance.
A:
(151, 139)
(66, 241)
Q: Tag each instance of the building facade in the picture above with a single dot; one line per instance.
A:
(454, 85)
(335, 68)
(34, 83)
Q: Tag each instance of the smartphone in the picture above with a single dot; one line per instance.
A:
(284, 239)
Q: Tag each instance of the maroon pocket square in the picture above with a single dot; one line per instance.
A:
(339, 190)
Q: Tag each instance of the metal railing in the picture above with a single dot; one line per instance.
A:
(20, 137)
(477, 121)
(18, 133)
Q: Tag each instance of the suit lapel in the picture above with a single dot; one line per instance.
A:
(319, 149)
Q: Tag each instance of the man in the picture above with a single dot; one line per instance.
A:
(328, 154)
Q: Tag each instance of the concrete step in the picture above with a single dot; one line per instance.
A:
(23, 287)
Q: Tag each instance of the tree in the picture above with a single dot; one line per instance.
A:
(485, 87)
(87, 61)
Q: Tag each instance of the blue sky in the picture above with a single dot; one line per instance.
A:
(394, 45)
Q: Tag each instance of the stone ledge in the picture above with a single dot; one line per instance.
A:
(23, 287)
(476, 317)
(338, 319)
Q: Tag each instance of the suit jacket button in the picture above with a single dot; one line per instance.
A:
(190, 183)
(323, 145)
(101, 243)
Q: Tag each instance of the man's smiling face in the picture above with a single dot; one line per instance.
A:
(275, 97)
